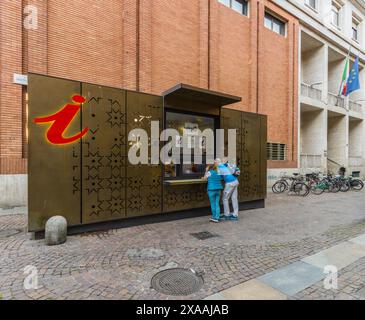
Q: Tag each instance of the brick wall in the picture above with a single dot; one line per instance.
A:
(151, 45)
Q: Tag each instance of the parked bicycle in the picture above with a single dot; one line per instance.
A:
(316, 183)
(319, 185)
(355, 184)
(294, 184)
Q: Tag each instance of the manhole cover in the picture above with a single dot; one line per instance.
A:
(203, 235)
(177, 282)
(8, 233)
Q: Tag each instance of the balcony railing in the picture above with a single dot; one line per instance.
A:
(355, 161)
(310, 161)
(335, 100)
(354, 106)
(310, 92)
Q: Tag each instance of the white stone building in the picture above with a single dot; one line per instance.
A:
(331, 128)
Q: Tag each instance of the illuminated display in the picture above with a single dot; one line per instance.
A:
(61, 121)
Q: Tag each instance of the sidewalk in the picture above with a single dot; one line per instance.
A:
(292, 280)
(250, 253)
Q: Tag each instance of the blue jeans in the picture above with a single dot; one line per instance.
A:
(214, 198)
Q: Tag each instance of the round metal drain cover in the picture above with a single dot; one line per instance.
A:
(177, 282)
(8, 233)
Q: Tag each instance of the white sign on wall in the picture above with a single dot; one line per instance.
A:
(20, 79)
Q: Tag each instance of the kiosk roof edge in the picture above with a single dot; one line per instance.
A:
(188, 92)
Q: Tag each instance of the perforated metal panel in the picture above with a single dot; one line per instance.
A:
(263, 157)
(103, 154)
(184, 197)
(251, 142)
(232, 119)
(53, 170)
(251, 153)
(144, 182)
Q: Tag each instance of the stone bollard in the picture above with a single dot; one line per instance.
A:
(56, 231)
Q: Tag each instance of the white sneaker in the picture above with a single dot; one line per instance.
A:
(214, 220)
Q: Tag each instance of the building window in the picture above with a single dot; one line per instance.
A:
(312, 4)
(276, 151)
(240, 6)
(190, 123)
(274, 24)
(355, 174)
(355, 29)
(335, 14)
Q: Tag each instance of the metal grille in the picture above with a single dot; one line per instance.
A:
(276, 151)
(203, 235)
(177, 282)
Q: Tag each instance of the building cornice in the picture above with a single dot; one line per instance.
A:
(360, 4)
(317, 25)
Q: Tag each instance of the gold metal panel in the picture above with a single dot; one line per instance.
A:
(103, 154)
(185, 197)
(53, 170)
(144, 182)
(232, 119)
(251, 152)
(263, 156)
(251, 138)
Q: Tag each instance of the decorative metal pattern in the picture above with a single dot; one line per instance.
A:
(103, 154)
(92, 180)
(184, 197)
(250, 157)
(144, 182)
(251, 139)
(263, 157)
(53, 171)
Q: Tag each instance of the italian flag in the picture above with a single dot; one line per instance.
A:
(345, 76)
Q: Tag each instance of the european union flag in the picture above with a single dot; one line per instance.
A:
(353, 81)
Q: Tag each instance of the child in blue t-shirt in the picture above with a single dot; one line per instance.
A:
(215, 188)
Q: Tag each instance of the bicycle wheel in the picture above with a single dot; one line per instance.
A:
(301, 189)
(317, 189)
(333, 187)
(357, 185)
(345, 186)
(279, 187)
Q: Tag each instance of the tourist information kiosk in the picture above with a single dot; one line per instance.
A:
(78, 153)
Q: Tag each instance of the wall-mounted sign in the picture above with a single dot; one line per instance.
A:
(20, 79)
(60, 122)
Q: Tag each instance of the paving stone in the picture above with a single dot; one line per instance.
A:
(253, 290)
(359, 240)
(216, 296)
(361, 293)
(339, 256)
(293, 278)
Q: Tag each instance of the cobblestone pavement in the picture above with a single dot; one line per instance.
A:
(119, 264)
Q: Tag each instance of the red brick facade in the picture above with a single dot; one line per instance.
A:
(151, 45)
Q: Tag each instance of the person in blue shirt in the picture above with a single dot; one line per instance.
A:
(230, 175)
(215, 188)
